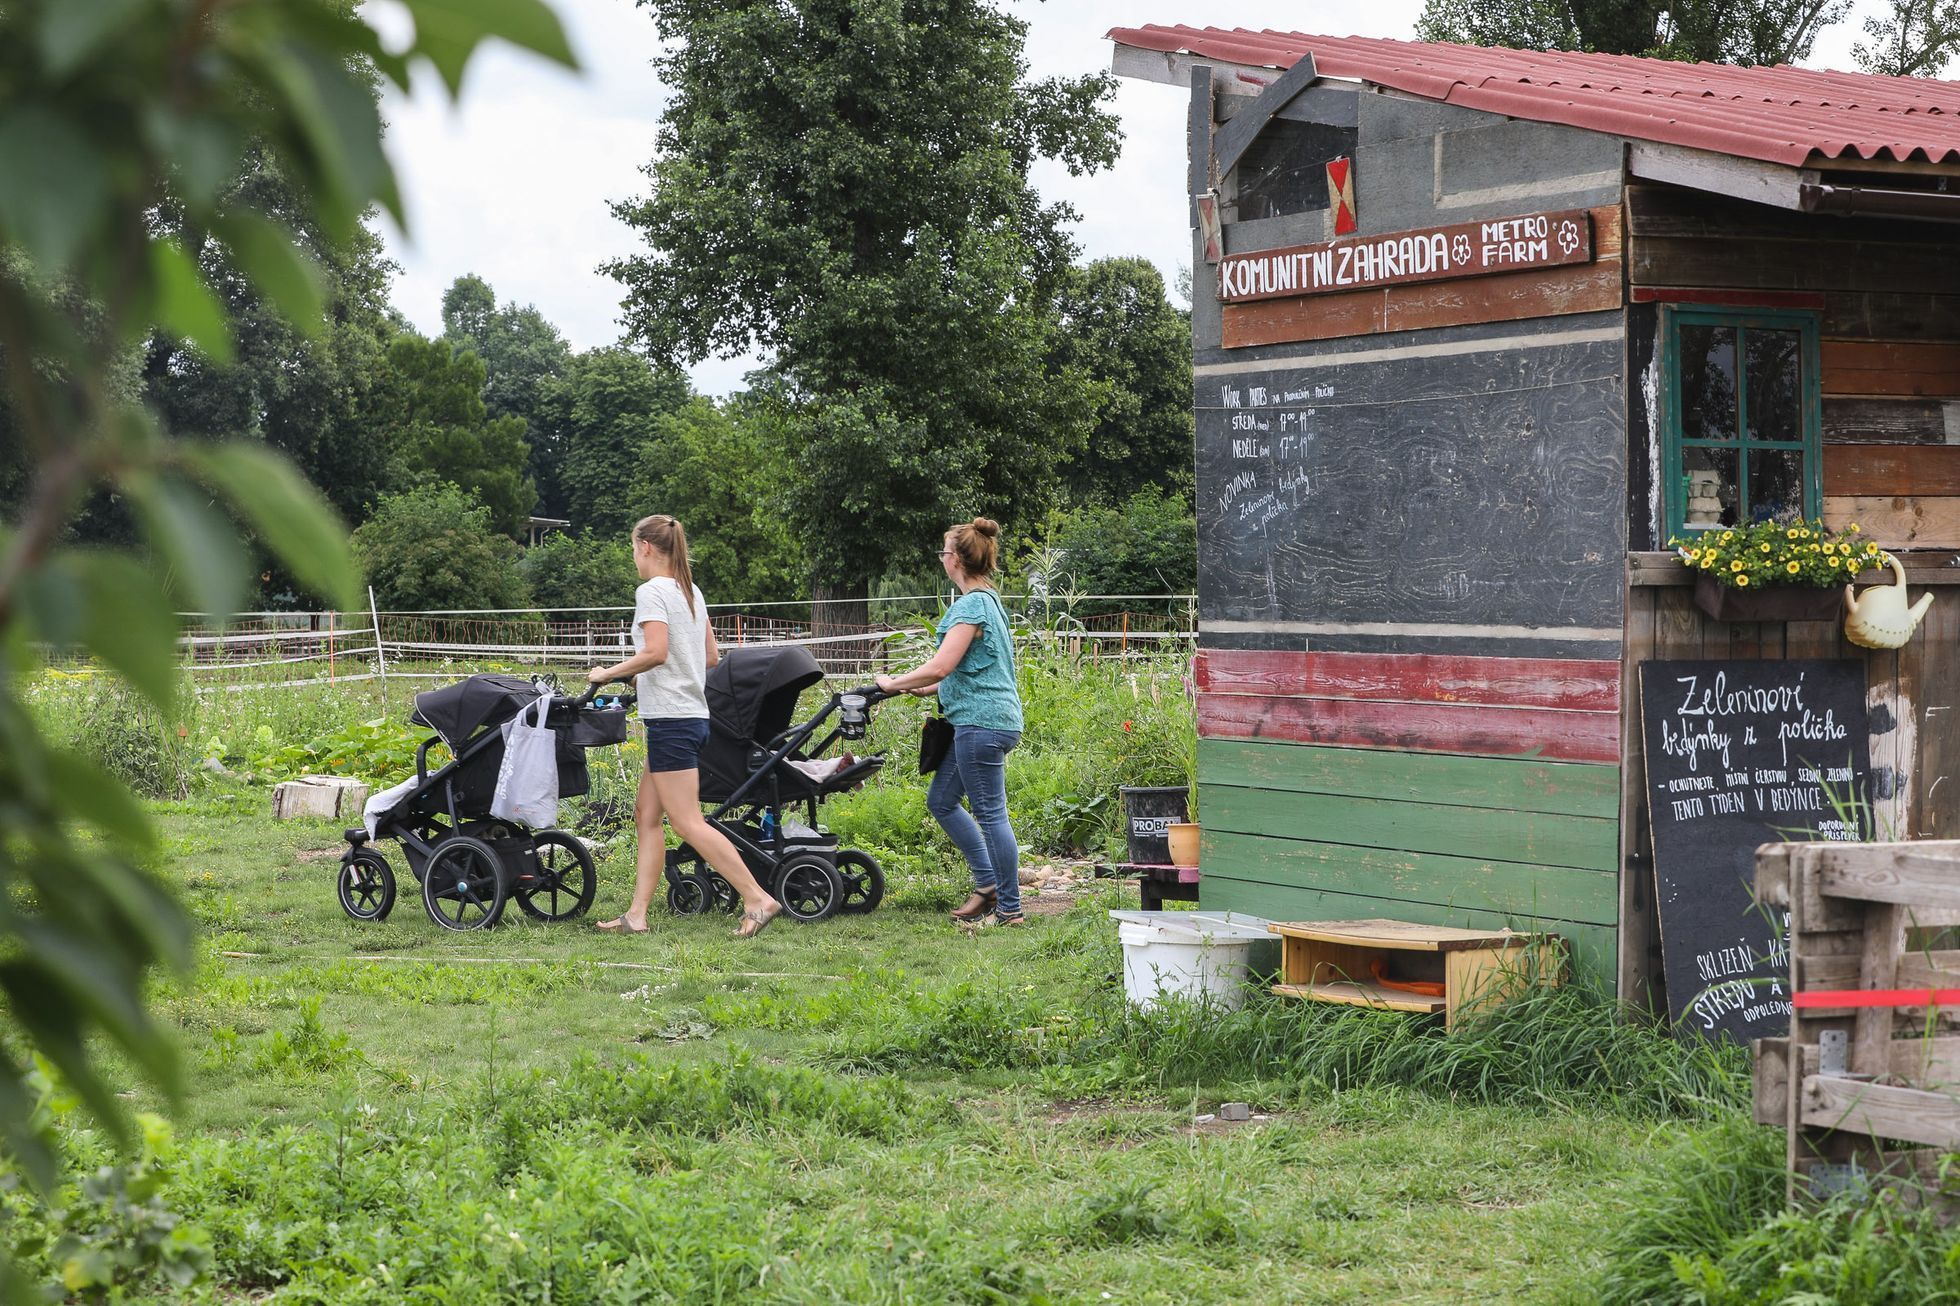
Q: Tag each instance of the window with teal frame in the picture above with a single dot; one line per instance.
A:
(1744, 412)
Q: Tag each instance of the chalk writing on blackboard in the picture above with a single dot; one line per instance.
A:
(1741, 754)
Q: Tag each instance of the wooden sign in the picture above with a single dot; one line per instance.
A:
(1340, 193)
(1741, 754)
(1466, 249)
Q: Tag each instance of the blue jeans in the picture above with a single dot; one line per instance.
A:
(976, 769)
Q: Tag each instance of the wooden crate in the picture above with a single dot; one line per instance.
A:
(1850, 1082)
(1334, 961)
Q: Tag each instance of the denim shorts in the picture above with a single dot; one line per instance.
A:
(674, 742)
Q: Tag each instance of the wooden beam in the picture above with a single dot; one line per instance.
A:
(1722, 174)
(1199, 179)
(1899, 522)
(1911, 1115)
(1917, 874)
(1175, 70)
(1236, 137)
(1886, 470)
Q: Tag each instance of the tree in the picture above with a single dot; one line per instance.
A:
(844, 185)
(1713, 31)
(1146, 545)
(580, 571)
(1916, 39)
(1120, 330)
(436, 547)
(608, 415)
(433, 400)
(525, 362)
(116, 112)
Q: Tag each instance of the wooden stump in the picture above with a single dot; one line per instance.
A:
(324, 797)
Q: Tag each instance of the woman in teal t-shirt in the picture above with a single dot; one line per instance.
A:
(974, 673)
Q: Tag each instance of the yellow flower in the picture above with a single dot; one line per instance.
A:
(1693, 554)
(1765, 548)
(1727, 536)
(1854, 525)
(1742, 582)
(1791, 568)
(1791, 534)
(1736, 565)
(1834, 563)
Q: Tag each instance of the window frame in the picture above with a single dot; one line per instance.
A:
(1810, 381)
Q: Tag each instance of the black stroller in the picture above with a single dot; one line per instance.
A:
(469, 863)
(746, 774)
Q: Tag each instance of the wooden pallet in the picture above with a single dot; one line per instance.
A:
(1848, 1080)
(1334, 961)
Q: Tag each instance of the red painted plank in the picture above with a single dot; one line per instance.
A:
(1577, 684)
(1417, 727)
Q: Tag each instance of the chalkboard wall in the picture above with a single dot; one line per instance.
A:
(1381, 492)
(1741, 754)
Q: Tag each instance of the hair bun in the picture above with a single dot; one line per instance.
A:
(987, 526)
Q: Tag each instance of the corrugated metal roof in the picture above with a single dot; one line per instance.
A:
(1780, 114)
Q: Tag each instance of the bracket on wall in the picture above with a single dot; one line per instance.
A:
(1214, 150)
(1230, 142)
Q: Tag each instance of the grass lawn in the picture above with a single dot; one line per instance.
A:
(545, 1113)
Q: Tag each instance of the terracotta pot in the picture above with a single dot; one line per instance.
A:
(1770, 603)
(1184, 843)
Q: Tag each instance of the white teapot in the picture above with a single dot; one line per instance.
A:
(1879, 618)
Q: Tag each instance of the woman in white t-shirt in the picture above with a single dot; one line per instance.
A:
(677, 646)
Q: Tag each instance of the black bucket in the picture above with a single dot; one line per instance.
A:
(1147, 817)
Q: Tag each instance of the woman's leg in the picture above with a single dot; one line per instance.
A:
(649, 856)
(943, 801)
(982, 759)
(680, 795)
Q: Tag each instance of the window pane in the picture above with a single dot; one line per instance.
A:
(1775, 403)
(1775, 483)
(1708, 382)
(1708, 487)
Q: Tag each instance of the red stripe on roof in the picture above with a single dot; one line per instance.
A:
(1777, 114)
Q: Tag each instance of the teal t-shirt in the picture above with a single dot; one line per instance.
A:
(980, 691)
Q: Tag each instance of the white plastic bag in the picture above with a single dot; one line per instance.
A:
(527, 783)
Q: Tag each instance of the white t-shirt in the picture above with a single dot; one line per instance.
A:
(678, 686)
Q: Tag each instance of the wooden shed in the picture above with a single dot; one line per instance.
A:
(1464, 321)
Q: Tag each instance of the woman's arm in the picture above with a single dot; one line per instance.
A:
(937, 667)
(714, 649)
(653, 652)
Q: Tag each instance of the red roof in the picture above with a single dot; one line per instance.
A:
(1778, 114)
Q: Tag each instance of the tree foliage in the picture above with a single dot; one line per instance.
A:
(580, 571)
(1916, 38)
(1148, 544)
(438, 547)
(607, 414)
(112, 114)
(1120, 331)
(843, 184)
(525, 363)
(433, 401)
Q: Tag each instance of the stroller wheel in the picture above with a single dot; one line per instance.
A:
(809, 888)
(366, 886)
(463, 884)
(566, 879)
(864, 881)
(688, 894)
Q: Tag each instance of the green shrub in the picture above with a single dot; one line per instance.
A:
(1149, 545)
(122, 732)
(434, 547)
(580, 571)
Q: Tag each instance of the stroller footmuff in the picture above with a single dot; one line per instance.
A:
(469, 864)
(750, 775)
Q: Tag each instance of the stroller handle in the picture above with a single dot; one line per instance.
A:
(592, 692)
(872, 694)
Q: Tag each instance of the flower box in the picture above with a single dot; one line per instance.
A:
(1768, 603)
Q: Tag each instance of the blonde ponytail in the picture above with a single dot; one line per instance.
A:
(668, 538)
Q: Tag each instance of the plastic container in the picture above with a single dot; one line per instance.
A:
(1197, 955)
(1148, 814)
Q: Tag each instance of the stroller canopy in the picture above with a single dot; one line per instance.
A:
(458, 711)
(752, 692)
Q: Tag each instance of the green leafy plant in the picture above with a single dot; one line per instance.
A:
(1798, 552)
(120, 111)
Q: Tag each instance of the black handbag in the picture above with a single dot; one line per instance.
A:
(935, 737)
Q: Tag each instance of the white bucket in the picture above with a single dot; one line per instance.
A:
(1200, 956)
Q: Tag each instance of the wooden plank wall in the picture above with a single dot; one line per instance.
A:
(1913, 700)
(1411, 545)
(1447, 790)
(1889, 298)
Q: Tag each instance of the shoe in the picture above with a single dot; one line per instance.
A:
(620, 925)
(755, 922)
(998, 921)
(977, 904)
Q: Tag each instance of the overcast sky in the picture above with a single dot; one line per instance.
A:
(513, 183)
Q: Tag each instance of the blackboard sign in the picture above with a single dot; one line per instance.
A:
(1741, 754)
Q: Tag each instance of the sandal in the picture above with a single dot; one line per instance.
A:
(998, 921)
(978, 904)
(758, 920)
(619, 925)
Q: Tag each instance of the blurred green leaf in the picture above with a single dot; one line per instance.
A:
(56, 190)
(203, 148)
(287, 277)
(335, 124)
(111, 605)
(206, 560)
(448, 32)
(185, 306)
(74, 29)
(288, 513)
(100, 799)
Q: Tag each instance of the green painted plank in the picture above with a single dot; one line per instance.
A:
(1537, 838)
(1556, 891)
(1507, 783)
(1592, 946)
